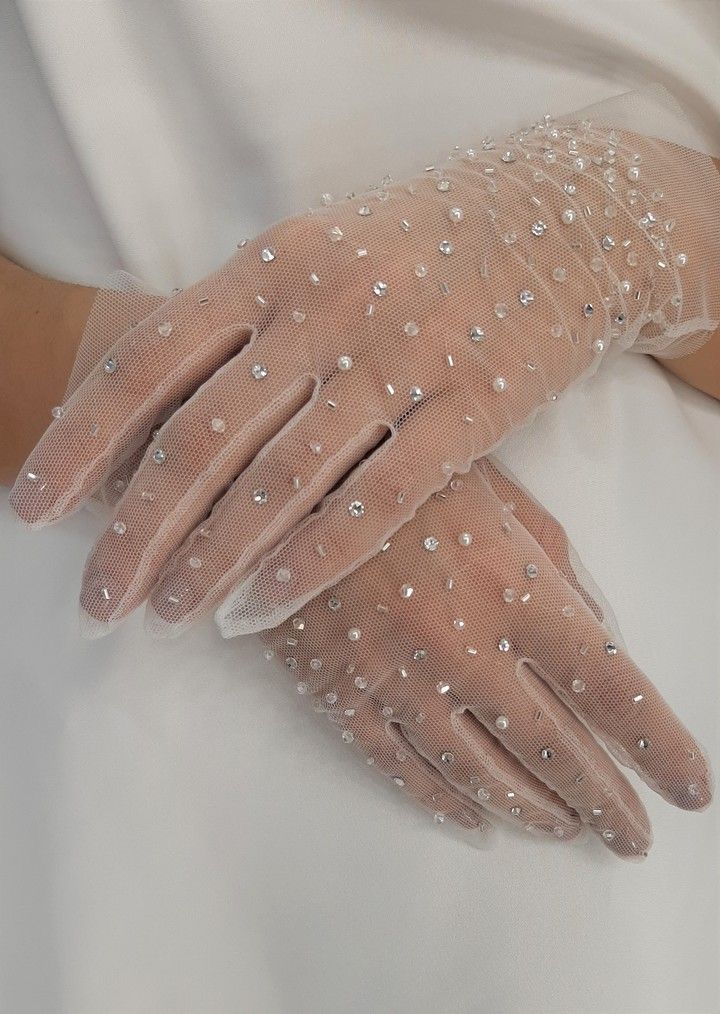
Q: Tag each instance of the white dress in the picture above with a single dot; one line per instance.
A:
(179, 834)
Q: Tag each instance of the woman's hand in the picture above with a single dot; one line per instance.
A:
(377, 346)
(468, 663)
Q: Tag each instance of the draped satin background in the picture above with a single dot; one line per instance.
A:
(178, 833)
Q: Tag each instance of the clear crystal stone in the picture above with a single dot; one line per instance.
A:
(283, 575)
(415, 394)
(431, 543)
(335, 234)
(411, 329)
(165, 329)
(259, 371)
(406, 591)
(354, 634)
(501, 311)
(447, 758)
(442, 687)
(57, 412)
(110, 365)
(195, 562)
(260, 496)
(611, 648)
(503, 644)
(445, 247)
(538, 228)
(364, 210)
(559, 274)
(119, 527)
(546, 753)
(526, 297)
(456, 214)
(532, 571)
(356, 509)
(159, 456)
(568, 216)
(380, 288)
(578, 686)
(267, 254)
(217, 425)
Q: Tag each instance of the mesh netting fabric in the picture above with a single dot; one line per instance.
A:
(293, 410)
(468, 663)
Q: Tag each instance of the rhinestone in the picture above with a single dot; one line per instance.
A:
(516, 811)
(344, 362)
(633, 174)
(632, 259)
(465, 538)
(509, 594)
(578, 686)
(415, 394)
(267, 254)
(165, 329)
(501, 311)
(431, 543)
(57, 412)
(508, 156)
(502, 722)
(546, 753)
(442, 688)
(643, 743)
(611, 648)
(459, 624)
(347, 736)
(380, 288)
(608, 243)
(364, 210)
(360, 682)
(217, 425)
(526, 297)
(334, 603)
(559, 274)
(316, 666)
(568, 216)
(195, 562)
(570, 189)
(532, 571)
(159, 456)
(354, 634)
(445, 247)
(283, 575)
(443, 186)
(260, 496)
(580, 163)
(483, 794)
(335, 234)
(406, 591)
(681, 260)
(316, 448)
(510, 238)
(538, 228)
(411, 329)
(608, 835)
(302, 688)
(499, 384)
(456, 214)
(298, 316)
(110, 365)
(420, 654)
(119, 527)
(291, 663)
(693, 790)
(259, 371)
(356, 509)
(503, 644)
(387, 713)
(447, 757)
(476, 333)
(588, 310)
(420, 270)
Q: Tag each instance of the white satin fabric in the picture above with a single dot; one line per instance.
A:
(180, 835)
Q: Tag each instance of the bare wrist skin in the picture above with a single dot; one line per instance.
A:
(700, 369)
(41, 324)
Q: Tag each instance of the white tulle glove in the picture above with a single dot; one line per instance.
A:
(468, 661)
(356, 357)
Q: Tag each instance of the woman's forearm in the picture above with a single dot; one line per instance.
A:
(41, 324)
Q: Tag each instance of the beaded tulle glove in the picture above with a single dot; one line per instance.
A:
(339, 368)
(468, 661)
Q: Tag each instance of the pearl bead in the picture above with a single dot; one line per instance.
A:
(502, 722)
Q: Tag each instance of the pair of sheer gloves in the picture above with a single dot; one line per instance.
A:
(300, 440)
